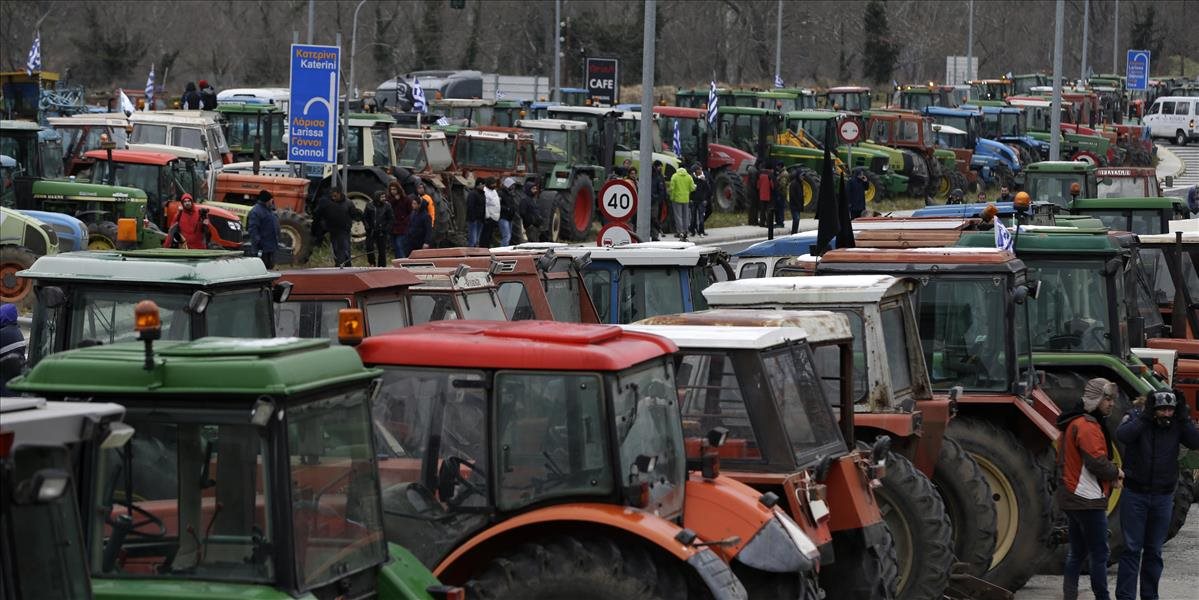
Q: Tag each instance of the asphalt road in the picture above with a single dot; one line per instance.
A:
(1189, 155)
(1180, 580)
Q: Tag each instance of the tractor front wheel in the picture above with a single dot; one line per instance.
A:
(920, 528)
(729, 192)
(102, 236)
(578, 209)
(358, 228)
(296, 230)
(874, 187)
(580, 568)
(1184, 495)
(968, 502)
(13, 289)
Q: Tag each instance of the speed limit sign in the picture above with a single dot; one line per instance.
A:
(850, 131)
(618, 200)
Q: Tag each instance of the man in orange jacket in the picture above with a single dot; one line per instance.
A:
(1088, 473)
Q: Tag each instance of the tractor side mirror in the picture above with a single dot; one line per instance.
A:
(198, 303)
(878, 451)
(1112, 267)
(51, 296)
(1169, 181)
(717, 436)
(581, 262)
(822, 468)
(46, 485)
(281, 291)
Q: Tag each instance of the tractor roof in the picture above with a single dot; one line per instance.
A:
(813, 115)
(499, 136)
(306, 282)
(37, 422)
(800, 243)
(744, 110)
(1125, 172)
(177, 151)
(461, 102)
(582, 110)
(1060, 166)
(558, 124)
(443, 278)
(848, 89)
(111, 119)
(838, 289)
(243, 367)
(413, 134)
(943, 111)
(176, 117)
(680, 112)
(1049, 240)
(369, 119)
(165, 266)
(1149, 202)
(534, 345)
(681, 254)
(956, 259)
(137, 157)
(20, 125)
(819, 326)
(731, 338)
(939, 128)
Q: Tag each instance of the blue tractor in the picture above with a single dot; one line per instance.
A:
(1005, 124)
(997, 164)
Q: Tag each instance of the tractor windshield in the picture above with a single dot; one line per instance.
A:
(565, 298)
(485, 153)
(311, 318)
(917, 102)
(140, 176)
(650, 291)
(557, 145)
(1156, 261)
(1009, 124)
(828, 362)
(911, 131)
(965, 333)
(645, 407)
(970, 126)
(1127, 187)
(849, 101)
(806, 416)
(689, 133)
(410, 154)
(1053, 187)
(740, 131)
(814, 128)
(1073, 312)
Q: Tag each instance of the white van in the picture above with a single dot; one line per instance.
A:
(1175, 118)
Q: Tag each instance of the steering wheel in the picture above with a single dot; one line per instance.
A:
(449, 476)
(135, 529)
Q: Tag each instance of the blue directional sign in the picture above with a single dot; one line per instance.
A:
(1137, 70)
(312, 114)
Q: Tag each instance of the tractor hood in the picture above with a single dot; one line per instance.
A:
(720, 155)
(55, 189)
(996, 150)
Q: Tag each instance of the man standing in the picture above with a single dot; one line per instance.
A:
(1151, 438)
(530, 214)
(856, 193)
(207, 96)
(699, 201)
(658, 193)
(191, 98)
(476, 211)
(491, 212)
(378, 219)
(782, 185)
(507, 210)
(420, 227)
(1005, 194)
(335, 216)
(681, 186)
(401, 209)
(1087, 474)
(263, 225)
(189, 228)
(765, 197)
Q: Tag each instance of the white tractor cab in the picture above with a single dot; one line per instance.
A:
(82, 132)
(1175, 118)
(280, 96)
(636, 281)
(446, 294)
(626, 132)
(947, 136)
(44, 446)
(189, 128)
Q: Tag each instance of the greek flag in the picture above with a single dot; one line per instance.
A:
(712, 105)
(34, 62)
(418, 98)
(1003, 238)
(678, 145)
(442, 121)
(127, 106)
(150, 88)
(778, 81)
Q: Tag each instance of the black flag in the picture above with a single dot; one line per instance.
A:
(845, 232)
(826, 202)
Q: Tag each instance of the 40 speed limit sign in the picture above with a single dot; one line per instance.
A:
(618, 200)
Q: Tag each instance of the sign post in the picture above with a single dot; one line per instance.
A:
(1137, 69)
(312, 112)
(603, 80)
(850, 132)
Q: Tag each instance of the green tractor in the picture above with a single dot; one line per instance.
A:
(568, 172)
(252, 470)
(881, 164)
(254, 129)
(22, 240)
(913, 132)
(1037, 119)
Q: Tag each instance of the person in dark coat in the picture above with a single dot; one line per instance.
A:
(795, 201)
(378, 217)
(700, 198)
(12, 346)
(856, 192)
(476, 210)
(401, 209)
(1151, 437)
(531, 215)
(191, 98)
(658, 197)
(420, 227)
(507, 210)
(263, 226)
(335, 215)
(207, 96)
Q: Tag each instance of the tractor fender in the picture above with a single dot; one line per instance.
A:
(721, 156)
(1035, 417)
(849, 490)
(997, 151)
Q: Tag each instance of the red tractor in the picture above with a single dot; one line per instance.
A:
(728, 166)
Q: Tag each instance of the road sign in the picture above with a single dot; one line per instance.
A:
(615, 233)
(618, 200)
(312, 112)
(850, 131)
(1137, 69)
(603, 81)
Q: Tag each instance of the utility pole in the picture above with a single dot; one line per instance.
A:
(556, 96)
(647, 121)
(311, 18)
(1116, 40)
(970, 44)
(1086, 29)
(341, 142)
(353, 47)
(1055, 128)
(778, 44)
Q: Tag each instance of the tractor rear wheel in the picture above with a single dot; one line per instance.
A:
(102, 236)
(1087, 157)
(1183, 497)
(861, 572)
(358, 228)
(582, 568)
(1022, 502)
(296, 229)
(968, 502)
(809, 183)
(922, 534)
(728, 192)
(578, 209)
(13, 289)
(874, 187)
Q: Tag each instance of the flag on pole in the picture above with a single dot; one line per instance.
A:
(712, 105)
(778, 81)
(1003, 238)
(127, 106)
(34, 62)
(150, 88)
(678, 144)
(418, 98)
(443, 121)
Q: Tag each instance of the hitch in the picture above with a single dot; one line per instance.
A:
(963, 586)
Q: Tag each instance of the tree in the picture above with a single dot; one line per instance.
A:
(879, 51)
(1145, 34)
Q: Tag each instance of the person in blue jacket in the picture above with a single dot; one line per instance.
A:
(263, 226)
(1151, 437)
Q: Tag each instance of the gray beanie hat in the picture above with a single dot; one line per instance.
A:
(1096, 390)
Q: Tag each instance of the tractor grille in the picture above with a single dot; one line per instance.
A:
(878, 164)
(229, 231)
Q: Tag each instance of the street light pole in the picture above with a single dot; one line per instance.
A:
(1086, 30)
(353, 48)
(970, 44)
(557, 95)
(1116, 40)
(647, 122)
(1055, 128)
(778, 44)
(311, 18)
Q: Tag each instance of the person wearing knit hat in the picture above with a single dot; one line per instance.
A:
(263, 227)
(1087, 475)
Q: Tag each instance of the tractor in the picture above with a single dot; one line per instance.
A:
(987, 91)
(997, 165)
(254, 128)
(22, 240)
(800, 143)
(1076, 143)
(568, 175)
(1004, 124)
(913, 132)
(84, 132)
(849, 99)
(200, 130)
(425, 156)
(728, 167)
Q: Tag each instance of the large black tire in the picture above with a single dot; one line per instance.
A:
(888, 567)
(766, 586)
(728, 192)
(13, 289)
(296, 229)
(102, 236)
(579, 568)
(1184, 495)
(967, 498)
(578, 209)
(936, 179)
(860, 572)
(923, 536)
(1180, 138)
(1021, 497)
(958, 181)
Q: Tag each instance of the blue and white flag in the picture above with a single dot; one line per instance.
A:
(678, 145)
(1003, 238)
(150, 88)
(127, 106)
(418, 98)
(34, 62)
(778, 81)
(499, 94)
(712, 105)
(442, 121)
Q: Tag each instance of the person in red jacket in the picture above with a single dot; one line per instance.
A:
(189, 228)
(1087, 475)
(765, 197)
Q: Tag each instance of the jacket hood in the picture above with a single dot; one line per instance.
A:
(1075, 412)
(8, 314)
(190, 87)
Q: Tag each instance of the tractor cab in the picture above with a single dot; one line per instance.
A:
(990, 90)
(746, 129)
(317, 296)
(920, 97)
(1060, 182)
(83, 132)
(561, 148)
(268, 485)
(1005, 124)
(253, 127)
(446, 293)
(1128, 182)
(200, 130)
(495, 152)
(850, 99)
(1142, 216)
(1171, 263)
(88, 298)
